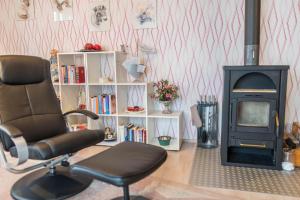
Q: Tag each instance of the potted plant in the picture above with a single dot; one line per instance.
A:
(165, 93)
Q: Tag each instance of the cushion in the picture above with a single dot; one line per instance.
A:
(18, 70)
(122, 164)
(62, 144)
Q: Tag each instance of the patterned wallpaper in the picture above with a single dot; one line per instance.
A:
(194, 39)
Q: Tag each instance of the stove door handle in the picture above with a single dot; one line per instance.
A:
(277, 124)
(254, 145)
(230, 116)
(276, 120)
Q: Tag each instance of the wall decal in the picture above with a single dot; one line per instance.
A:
(63, 10)
(99, 15)
(24, 9)
(144, 14)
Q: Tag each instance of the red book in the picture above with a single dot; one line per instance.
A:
(81, 74)
(77, 74)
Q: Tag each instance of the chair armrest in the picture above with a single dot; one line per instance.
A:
(11, 131)
(83, 112)
(21, 145)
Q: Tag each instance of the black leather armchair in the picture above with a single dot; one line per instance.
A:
(32, 126)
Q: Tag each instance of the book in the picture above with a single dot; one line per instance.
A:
(72, 74)
(97, 105)
(92, 103)
(121, 131)
(62, 73)
(107, 104)
(127, 131)
(77, 75)
(130, 136)
(144, 136)
(141, 135)
(113, 104)
(81, 74)
(100, 104)
(103, 98)
(66, 74)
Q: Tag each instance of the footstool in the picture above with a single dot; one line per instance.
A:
(123, 164)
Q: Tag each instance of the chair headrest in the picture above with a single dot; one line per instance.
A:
(19, 70)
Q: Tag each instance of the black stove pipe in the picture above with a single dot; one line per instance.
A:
(252, 32)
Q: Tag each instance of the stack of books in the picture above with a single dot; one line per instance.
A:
(103, 104)
(132, 133)
(72, 74)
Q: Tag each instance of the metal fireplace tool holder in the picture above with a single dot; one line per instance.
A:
(208, 111)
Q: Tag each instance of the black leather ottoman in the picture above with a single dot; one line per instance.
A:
(123, 164)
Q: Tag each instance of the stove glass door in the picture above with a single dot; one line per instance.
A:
(253, 114)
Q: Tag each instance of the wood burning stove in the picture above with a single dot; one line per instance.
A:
(253, 115)
(253, 104)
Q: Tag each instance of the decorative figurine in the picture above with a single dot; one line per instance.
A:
(109, 135)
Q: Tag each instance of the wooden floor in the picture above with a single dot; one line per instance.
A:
(171, 178)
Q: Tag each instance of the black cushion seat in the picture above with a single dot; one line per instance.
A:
(122, 164)
(62, 144)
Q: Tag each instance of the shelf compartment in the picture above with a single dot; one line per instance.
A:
(101, 124)
(70, 97)
(137, 121)
(131, 96)
(76, 119)
(165, 127)
(100, 66)
(172, 147)
(124, 120)
(70, 59)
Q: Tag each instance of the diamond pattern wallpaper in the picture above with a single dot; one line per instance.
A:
(194, 39)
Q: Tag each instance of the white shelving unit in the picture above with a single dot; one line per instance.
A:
(109, 64)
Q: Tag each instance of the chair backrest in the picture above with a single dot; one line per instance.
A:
(28, 100)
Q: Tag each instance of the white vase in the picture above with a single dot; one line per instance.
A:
(166, 107)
